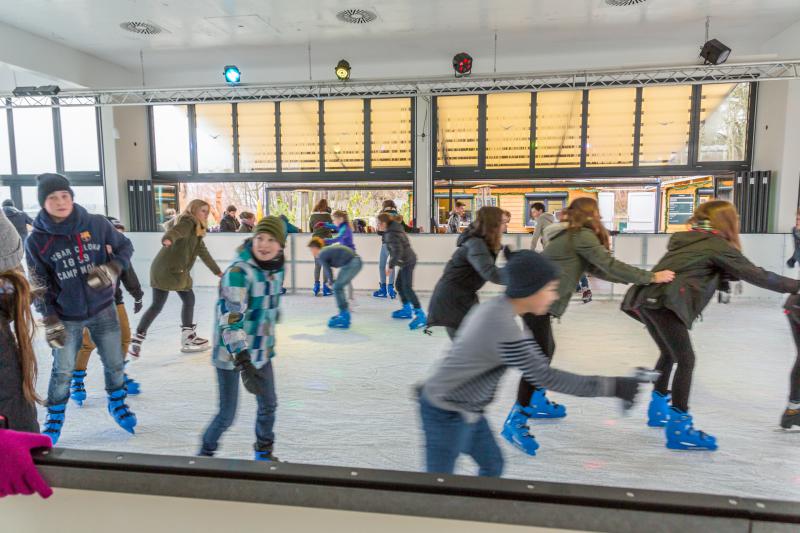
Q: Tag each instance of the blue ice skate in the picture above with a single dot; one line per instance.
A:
(420, 320)
(122, 414)
(326, 291)
(658, 412)
(391, 291)
(517, 432)
(266, 456)
(54, 421)
(541, 407)
(405, 312)
(681, 434)
(316, 288)
(132, 386)
(381, 292)
(77, 390)
(340, 321)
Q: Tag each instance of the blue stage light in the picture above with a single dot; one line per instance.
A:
(232, 74)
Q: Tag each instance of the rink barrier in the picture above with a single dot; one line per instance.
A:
(486, 500)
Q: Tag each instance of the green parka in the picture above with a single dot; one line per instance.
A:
(172, 265)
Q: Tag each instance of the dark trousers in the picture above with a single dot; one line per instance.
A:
(403, 286)
(159, 299)
(794, 379)
(672, 337)
(542, 329)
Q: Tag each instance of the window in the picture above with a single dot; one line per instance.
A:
(664, 134)
(508, 130)
(257, 137)
(610, 124)
(390, 132)
(5, 157)
(30, 201)
(444, 207)
(214, 138)
(457, 136)
(344, 135)
(33, 136)
(362, 203)
(5, 193)
(300, 136)
(166, 198)
(558, 129)
(171, 132)
(724, 116)
(91, 198)
(79, 139)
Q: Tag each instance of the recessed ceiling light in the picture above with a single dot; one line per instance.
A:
(356, 16)
(623, 3)
(141, 28)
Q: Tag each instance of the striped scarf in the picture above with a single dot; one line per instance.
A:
(703, 225)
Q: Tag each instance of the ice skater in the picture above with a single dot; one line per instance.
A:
(385, 283)
(349, 265)
(791, 415)
(577, 245)
(316, 225)
(244, 338)
(402, 255)
(492, 338)
(703, 258)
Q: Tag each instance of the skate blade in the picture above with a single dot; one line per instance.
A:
(195, 350)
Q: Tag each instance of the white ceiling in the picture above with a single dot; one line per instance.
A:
(268, 39)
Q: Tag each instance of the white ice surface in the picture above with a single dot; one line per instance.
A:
(345, 399)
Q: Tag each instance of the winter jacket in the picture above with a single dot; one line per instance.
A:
(322, 233)
(247, 310)
(19, 219)
(453, 223)
(228, 224)
(171, 268)
(796, 254)
(21, 413)
(130, 281)
(456, 292)
(342, 235)
(245, 228)
(400, 252)
(542, 223)
(61, 255)
(335, 256)
(700, 260)
(578, 252)
(290, 228)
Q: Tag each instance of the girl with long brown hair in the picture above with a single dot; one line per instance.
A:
(704, 259)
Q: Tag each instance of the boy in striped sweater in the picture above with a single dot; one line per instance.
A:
(492, 338)
(244, 337)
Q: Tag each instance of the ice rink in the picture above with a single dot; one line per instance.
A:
(345, 398)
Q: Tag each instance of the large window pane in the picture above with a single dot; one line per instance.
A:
(558, 129)
(257, 137)
(30, 201)
(390, 127)
(171, 130)
(214, 137)
(300, 136)
(611, 121)
(344, 135)
(362, 203)
(508, 130)
(457, 136)
(33, 135)
(91, 198)
(5, 193)
(79, 139)
(5, 158)
(666, 113)
(724, 112)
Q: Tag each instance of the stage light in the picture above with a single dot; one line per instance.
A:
(714, 52)
(462, 64)
(232, 74)
(343, 70)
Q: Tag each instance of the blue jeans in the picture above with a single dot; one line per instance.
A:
(228, 381)
(343, 279)
(384, 258)
(105, 333)
(447, 435)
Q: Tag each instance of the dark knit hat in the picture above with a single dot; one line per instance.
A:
(50, 183)
(527, 272)
(274, 226)
(8, 202)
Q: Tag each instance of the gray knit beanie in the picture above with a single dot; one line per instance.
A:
(11, 251)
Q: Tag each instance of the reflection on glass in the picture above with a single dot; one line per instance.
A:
(344, 134)
(390, 127)
(30, 201)
(724, 117)
(508, 130)
(457, 136)
(558, 129)
(214, 137)
(666, 113)
(5, 157)
(300, 136)
(611, 121)
(33, 136)
(171, 130)
(79, 139)
(257, 137)
(166, 198)
(90, 198)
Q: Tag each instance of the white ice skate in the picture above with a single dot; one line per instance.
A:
(190, 342)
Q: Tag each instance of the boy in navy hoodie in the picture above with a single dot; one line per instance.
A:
(77, 257)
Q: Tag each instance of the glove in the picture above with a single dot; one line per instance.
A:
(791, 262)
(137, 306)
(250, 378)
(626, 388)
(792, 308)
(18, 474)
(54, 332)
(103, 276)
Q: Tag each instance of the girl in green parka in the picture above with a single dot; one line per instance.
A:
(578, 245)
(704, 259)
(171, 271)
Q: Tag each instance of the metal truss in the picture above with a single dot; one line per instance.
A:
(478, 84)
